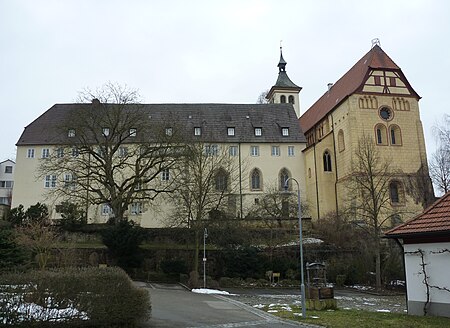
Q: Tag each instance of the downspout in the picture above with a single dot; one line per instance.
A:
(335, 165)
(240, 181)
(317, 185)
(404, 270)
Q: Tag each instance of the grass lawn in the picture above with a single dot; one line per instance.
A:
(359, 318)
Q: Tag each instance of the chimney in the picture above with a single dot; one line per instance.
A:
(330, 85)
(95, 101)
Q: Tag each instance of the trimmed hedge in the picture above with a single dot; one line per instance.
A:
(76, 297)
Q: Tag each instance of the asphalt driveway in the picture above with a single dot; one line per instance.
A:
(173, 306)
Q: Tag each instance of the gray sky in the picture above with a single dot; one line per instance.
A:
(210, 51)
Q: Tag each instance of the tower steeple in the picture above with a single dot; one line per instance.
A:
(284, 90)
(282, 64)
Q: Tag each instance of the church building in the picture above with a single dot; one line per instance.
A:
(272, 141)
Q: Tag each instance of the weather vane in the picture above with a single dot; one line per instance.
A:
(281, 46)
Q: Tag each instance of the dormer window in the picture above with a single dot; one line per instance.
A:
(71, 133)
(169, 132)
(258, 132)
(197, 131)
(105, 132)
(230, 132)
(133, 132)
(285, 132)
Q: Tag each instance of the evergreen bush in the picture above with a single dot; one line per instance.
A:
(88, 297)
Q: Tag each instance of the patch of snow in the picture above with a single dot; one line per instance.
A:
(210, 291)
(299, 314)
(312, 241)
(314, 317)
(367, 303)
(258, 306)
(272, 311)
(346, 308)
(384, 311)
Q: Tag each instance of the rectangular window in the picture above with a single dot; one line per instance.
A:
(75, 152)
(275, 150)
(105, 132)
(133, 132)
(136, 208)
(60, 152)
(230, 132)
(211, 150)
(50, 181)
(254, 150)
(106, 209)
(8, 169)
(291, 151)
(6, 184)
(165, 175)
(377, 80)
(4, 200)
(69, 180)
(169, 132)
(71, 133)
(197, 131)
(233, 150)
(285, 132)
(123, 151)
(30, 153)
(45, 153)
(393, 81)
(258, 132)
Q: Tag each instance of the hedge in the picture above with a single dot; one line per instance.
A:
(75, 297)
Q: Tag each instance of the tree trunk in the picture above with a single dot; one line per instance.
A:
(197, 249)
(377, 265)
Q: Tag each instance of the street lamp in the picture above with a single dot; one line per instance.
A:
(205, 235)
(302, 277)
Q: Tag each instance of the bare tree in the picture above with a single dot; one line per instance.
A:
(40, 238)
(440, 169)
(440, 160)
(368, 187)
(113, 153)
(262, 98)
(207, 183)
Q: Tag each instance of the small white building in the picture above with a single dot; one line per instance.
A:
(426, 246)
(6, 184)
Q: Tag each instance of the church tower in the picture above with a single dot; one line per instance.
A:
(284, 90)
(373, 99)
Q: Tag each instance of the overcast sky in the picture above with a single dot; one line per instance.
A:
(210, 51)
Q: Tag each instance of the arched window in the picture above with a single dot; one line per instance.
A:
(380, 134)
(291, 100)
(221, 180)
(327, 161)
(283, 176)
(395, 192)
(256, 180)
(283, 99)
(396, 136)
(341, 143)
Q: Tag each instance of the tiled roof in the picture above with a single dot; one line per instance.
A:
(350, 82)
(214, 119)
(435, 219)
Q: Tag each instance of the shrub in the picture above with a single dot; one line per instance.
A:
(11, 254)
(123, 240)
(173, 266)
(72, 298)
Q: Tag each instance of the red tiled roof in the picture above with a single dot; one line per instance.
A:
(435, 219)
(350, 82)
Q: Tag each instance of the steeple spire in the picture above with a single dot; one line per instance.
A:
(282, 64)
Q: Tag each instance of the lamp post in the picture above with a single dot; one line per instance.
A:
(205, 235)
(302, 277)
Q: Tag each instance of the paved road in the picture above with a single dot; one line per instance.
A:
(175, 307)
